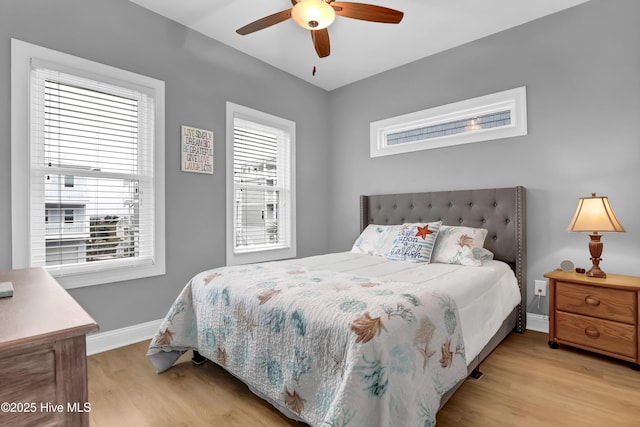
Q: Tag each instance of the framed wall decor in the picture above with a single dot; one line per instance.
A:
(197, 150)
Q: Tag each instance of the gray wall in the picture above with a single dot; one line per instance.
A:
(581, 68)
(582, 72)
(200, 76)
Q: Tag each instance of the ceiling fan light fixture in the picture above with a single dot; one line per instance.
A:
(313, 14)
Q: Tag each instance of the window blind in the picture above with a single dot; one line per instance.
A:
(261, 186)
(469, 124)
(91, 174)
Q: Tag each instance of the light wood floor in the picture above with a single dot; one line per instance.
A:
(525, 383)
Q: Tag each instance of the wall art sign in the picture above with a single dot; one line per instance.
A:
(197, 150)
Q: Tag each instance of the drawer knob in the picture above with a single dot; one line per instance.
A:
(592, 332)
(591, 300)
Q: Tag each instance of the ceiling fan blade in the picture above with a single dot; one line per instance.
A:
(265, 22)
(367, 12)
(321, 42)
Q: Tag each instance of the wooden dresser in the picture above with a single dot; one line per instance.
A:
(599, 315)
(43, 362)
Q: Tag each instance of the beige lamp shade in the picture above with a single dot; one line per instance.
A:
(594, 214)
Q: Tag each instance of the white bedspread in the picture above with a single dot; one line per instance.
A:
(484, 295)
(344, 338)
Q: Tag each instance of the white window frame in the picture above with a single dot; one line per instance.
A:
(260, 254)
(513, 100)
(22, 56)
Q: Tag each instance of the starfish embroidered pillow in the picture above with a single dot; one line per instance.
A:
(415, 242)
(460, 245)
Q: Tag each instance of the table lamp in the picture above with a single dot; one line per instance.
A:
(595, 215)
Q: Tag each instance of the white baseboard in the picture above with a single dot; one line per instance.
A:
(97, 343)
(538, 322)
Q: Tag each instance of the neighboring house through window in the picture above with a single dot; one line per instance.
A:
(260, 186)
(87, 168)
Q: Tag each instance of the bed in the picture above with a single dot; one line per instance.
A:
(352, 338)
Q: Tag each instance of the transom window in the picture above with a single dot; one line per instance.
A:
(495, 116)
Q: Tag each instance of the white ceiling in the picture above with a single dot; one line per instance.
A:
(359, 49)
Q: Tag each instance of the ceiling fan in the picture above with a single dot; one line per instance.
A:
(317, 15)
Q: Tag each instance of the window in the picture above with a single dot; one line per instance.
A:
(68, 216)
(87, 168)
(260, 186)
(495, 116)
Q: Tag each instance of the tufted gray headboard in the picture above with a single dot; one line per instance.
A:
(499, 210)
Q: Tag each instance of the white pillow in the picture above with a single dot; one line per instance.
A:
(376, 239)
(415, 242)
(459, 245)
(484, 254)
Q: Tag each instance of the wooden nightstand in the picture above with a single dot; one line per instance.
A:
(599, 315)
(43, 360)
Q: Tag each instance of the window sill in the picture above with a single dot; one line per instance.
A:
(104, 276)
(261, 255)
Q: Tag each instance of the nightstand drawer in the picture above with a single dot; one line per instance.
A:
(612, 337)
(605, 303)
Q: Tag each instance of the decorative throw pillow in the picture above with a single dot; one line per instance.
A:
(460, 245)
(376, 239)
(484, 254)
(415, 242)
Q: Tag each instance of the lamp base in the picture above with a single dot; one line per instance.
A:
(595, 248)
(596, 272)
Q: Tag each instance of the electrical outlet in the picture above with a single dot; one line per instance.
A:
(540, 288)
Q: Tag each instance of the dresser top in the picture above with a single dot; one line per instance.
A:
(612, 280)
(39, 310)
